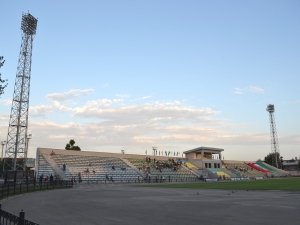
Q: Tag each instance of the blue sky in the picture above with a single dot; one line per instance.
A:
(172, 74)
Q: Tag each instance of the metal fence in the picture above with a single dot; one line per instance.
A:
(7, 218)
(168, 179)
(12, 189)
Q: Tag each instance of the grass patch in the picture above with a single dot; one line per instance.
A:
(287, 184)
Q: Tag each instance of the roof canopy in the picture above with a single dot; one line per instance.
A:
(199, 149)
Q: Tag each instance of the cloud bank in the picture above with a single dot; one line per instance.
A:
(251, 89)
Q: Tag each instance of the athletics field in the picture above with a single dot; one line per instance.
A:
(285, 184)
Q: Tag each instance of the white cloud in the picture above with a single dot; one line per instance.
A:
(104, 86)
(251, 89)
(73, 93)
(6, 101)
(255, 89)
(149, 113)
(122, 96)
(145, 97)
(142, 98)
(40, 110)
(4, 117)
(61, 107)
(167, 125)
(238, 91)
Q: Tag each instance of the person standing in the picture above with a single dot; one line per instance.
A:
(41, 179)
(51, 179)
(26, 178)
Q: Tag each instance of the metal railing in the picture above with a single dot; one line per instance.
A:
(7, 218)
(11, 189)
(168, 179)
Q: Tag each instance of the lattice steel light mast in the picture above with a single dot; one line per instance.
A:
(273, 133)
(18, 123)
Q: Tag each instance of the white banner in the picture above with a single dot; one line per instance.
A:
(211, 180)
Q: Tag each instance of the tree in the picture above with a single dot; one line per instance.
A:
(71, 146)
(2, 81)
(269, 159)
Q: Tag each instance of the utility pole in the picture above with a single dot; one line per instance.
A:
(27, 145)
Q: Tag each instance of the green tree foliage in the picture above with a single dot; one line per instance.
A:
(269, 159)
(2, 86)
(71, 146)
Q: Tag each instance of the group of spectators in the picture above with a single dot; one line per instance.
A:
(159, 165)
(51, 179)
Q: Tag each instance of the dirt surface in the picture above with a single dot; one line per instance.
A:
(127, 204)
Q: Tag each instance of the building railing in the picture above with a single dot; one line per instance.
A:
(9, 218)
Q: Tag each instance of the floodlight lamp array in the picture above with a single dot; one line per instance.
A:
(270, 108)
(28, 24)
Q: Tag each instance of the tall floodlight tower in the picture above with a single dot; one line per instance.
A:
(18, 123)
(273, 133)
(154, 150)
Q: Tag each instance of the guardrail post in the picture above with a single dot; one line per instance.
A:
(21, 217)
(7, 190)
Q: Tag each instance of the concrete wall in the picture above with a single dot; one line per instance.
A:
(101, 154)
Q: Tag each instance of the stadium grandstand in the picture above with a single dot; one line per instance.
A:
(201, 163)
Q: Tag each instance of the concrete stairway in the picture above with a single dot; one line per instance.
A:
(231, 174)
(132, 166)
(55, 167)
(196, 172)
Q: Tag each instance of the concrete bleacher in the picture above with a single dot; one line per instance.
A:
(168, 173)
(243, 170)
(98, 166)
(93, 168)
(274, 171)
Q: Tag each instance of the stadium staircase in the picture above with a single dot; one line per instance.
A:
(44, 167)
(197, 173)
(211, 174)
(133, 166)
(55, 167)
(232, 175)
(237, 173)
(193, 166)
